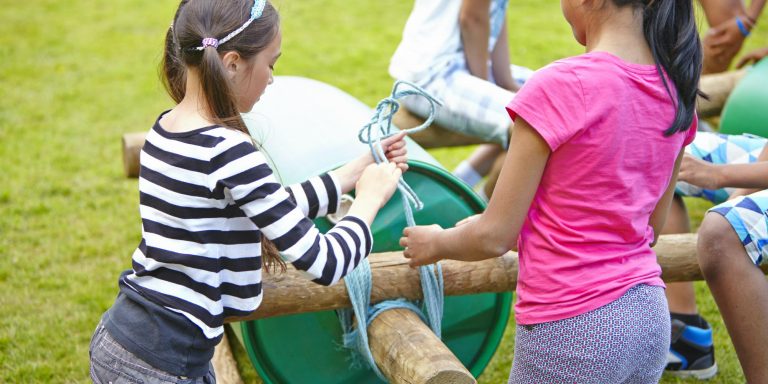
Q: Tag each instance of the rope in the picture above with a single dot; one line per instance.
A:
(359, 281)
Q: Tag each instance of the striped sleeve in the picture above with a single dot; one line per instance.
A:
(317, 196)
(242, 172)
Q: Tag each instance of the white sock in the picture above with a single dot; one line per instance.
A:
(481, 192)
(467, 174)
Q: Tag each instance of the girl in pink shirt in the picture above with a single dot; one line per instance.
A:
(584, 192)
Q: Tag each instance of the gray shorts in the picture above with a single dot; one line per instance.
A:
(625, 341)
(111, 363)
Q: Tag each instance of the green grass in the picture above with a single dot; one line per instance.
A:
(76, 75)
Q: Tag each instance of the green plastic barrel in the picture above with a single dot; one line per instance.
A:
(746, 110)
(306, 348)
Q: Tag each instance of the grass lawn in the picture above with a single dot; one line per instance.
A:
(76, 75)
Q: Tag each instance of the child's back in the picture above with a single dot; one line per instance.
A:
(586, 239)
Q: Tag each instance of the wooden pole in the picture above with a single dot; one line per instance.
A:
(434, 136)
(718, 87)
(288, 293)
(224, 364)
(132, 144)
(406, 351)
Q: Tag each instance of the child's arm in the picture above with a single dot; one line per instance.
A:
(502, 74)
(716, 176)
(659, 214)
(325, 258)
(495, 231)
(475, 25)
(395, 150)
(319, 195)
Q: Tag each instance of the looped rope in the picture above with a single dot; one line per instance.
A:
(359, 281)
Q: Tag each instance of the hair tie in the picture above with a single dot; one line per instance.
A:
(256, 11)
(210, 42)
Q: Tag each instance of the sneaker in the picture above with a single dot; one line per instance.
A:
(691, 352)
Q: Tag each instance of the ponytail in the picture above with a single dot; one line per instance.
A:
(217, 92)
(240, 31)
(670, 29)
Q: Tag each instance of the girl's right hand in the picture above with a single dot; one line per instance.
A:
(378, 182)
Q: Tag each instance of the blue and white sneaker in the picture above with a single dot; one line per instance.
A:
(691, 352)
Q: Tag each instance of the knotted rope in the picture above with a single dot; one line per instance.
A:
(359, 281)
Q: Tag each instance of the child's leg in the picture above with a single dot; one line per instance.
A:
(471, 105)
(624, 341)
(731, 243)
(688, 355)
(479, 163)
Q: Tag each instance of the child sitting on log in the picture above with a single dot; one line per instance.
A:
(459, 52)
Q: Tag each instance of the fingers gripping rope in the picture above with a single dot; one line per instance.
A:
(359, 281)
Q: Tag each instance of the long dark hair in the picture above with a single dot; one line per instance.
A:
(198, 19)
(670, 29)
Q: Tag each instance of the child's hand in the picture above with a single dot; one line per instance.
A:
(699, 173)
(396, 151)
(378, 182)
(420, 243)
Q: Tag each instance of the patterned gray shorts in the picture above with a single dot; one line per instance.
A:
(625, 341)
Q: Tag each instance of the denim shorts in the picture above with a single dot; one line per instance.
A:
(113, 364)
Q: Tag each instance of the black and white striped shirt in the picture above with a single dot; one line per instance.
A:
(206, 198)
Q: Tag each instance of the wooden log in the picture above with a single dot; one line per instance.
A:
(718, 87)
(132, 144)
(224, 364)
(434, 136)
(406, 351)
(288, 293)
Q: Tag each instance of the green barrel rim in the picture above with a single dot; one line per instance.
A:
(473, 325)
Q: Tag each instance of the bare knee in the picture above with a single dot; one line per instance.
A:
(716, 238)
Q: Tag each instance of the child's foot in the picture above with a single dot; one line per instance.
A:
(691, 353)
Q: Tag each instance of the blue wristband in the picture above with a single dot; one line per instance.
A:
(742, 28)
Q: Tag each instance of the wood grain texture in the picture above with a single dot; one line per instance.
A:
(407, 352)
(289, 293)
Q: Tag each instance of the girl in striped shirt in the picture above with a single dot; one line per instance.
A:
(213, 213)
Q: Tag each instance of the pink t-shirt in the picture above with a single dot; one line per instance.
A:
(586, 239)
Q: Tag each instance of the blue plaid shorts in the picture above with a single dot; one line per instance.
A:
(749, 218)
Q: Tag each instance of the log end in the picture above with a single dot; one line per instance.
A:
(452, 377)
(132, 144)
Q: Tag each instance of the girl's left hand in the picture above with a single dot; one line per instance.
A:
(420, 243)
(396, 151)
